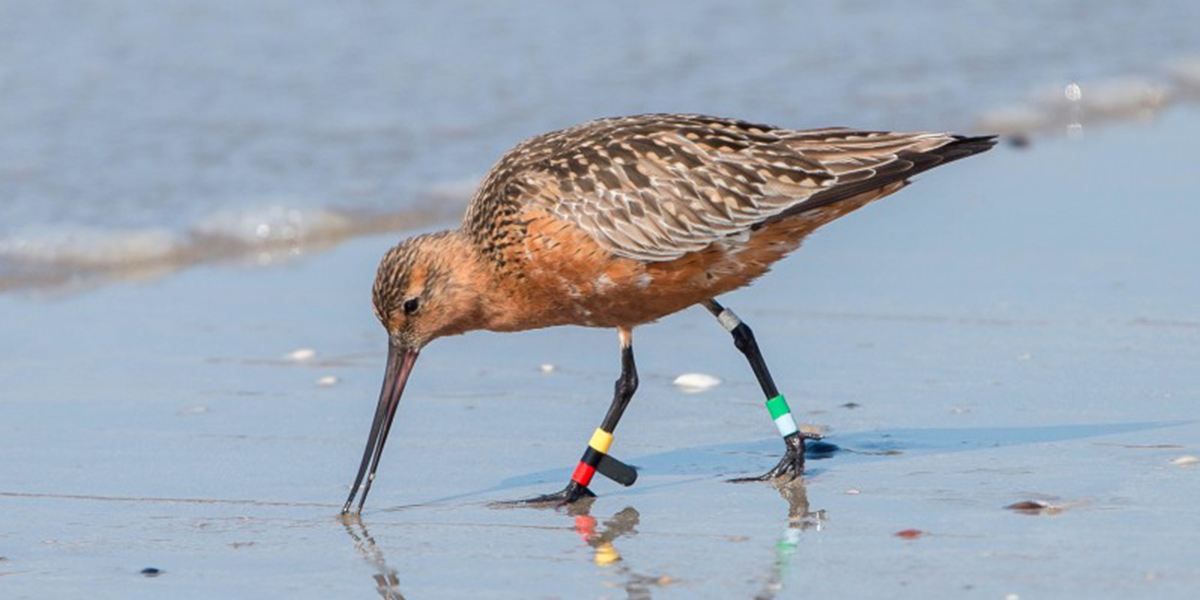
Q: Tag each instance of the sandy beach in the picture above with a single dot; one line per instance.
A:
(1020, 327)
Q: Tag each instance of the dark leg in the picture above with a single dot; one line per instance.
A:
(792, 464)
(596, 459)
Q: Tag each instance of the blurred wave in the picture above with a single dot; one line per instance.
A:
(76, 256)
(1069, 106)
(137, 137)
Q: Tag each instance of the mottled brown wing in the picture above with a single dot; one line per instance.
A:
(656, 187)
(660, 196)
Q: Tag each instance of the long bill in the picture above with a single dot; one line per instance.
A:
(400, 363)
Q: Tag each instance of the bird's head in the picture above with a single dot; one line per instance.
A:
(426, 287)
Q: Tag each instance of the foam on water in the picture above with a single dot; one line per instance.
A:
(88, 247)
(274, 224)
(1069, 106)
(1185, 74)
(74, 255)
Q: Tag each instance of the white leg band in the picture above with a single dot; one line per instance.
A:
(786, 424)
(728, 320)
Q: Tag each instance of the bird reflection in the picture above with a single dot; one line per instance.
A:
(387, 581)
(602, 538)
(800, 518)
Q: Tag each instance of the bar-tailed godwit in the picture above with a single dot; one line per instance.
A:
(619, 222)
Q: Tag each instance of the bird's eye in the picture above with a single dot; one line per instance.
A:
(411, 305)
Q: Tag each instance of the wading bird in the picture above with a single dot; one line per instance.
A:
(622, 221)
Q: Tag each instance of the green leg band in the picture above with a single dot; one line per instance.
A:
(778, 407)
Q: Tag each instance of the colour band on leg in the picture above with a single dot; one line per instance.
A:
(778, 407)
(601, 441)
(616, 470)
(587, 466)
(596, 460)
(583, 474)
(728, 320)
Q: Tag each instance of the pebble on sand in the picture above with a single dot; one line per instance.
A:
(327, 381)
(696, 382)
(820, 430)
(301, 354)
(1034, 507)
(1185, 460)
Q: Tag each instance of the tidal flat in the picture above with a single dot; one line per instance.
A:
(1022, 327)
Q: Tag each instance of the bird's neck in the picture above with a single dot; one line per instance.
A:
(485, 294)
(477, 294)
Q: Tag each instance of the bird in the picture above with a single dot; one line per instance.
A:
(619, 222)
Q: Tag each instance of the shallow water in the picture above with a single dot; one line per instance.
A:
(1019, 326)
(141, 136)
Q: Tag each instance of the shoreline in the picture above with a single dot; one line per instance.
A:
(77, 259)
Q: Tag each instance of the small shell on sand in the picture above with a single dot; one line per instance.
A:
(696, 382)
(301, 354)
(1185, 460)
(327, 381)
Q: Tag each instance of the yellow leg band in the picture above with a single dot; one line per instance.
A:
(601, 441)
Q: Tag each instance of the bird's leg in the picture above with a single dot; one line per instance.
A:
(792, 464)
(596, 458)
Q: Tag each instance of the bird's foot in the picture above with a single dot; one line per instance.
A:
(791, 465)
(568, 495)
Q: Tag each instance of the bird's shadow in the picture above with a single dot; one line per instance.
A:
(743, 458)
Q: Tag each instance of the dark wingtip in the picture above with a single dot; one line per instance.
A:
(972, 144)
(962, 147)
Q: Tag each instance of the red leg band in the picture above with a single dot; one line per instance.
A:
(583, 474)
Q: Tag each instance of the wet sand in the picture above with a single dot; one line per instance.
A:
(1018, 327)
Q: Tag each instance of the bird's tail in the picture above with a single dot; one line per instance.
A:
(908, 163)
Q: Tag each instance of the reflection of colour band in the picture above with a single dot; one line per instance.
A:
(778, 407)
